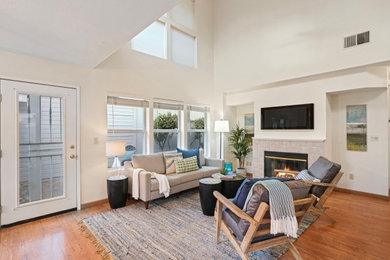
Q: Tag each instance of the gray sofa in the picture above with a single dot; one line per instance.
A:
(149, 188)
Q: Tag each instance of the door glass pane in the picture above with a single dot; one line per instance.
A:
(41, 148)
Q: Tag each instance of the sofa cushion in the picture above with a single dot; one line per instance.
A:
(299, 190)
(150, 162)
(332, 172)
(169, 159)
(190, 153)
(191, 176)
(173, 179)
(232, 221)
(209, 170)
(176, 179)
(320, 168)
(186, 165)
(306, 176)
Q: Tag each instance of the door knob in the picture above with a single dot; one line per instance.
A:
(72, 156)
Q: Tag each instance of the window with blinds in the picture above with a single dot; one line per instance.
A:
(126, 121)
(197, 117)
(166, 125)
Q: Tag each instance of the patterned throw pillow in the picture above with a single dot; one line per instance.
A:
(306, 176)
(170, 158)
(187, 164)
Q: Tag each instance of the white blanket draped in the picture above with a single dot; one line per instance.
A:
(162, 179)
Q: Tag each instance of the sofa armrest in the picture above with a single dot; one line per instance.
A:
(144, 182)
(145, 185)
(213, 162)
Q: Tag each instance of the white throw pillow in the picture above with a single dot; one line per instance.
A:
(170, 158)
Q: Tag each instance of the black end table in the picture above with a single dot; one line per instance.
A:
(207, 200)
(117, 189)
(230, 185)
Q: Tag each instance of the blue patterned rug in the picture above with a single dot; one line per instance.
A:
(172, 228)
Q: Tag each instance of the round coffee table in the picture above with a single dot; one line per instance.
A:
(207, 200)
(230, 185)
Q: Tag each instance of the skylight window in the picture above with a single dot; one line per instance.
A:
(152, 40)
(172, 37)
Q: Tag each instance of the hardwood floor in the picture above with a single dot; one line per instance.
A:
(362, 231)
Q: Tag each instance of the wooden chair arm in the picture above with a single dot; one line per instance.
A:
(320, 184)
(230, 205)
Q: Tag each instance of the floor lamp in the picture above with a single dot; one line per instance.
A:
(221, 126)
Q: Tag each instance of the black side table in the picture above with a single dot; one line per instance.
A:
(117, 188)
(207, 200)
(230, 186)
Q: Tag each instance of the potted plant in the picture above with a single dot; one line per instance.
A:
(241, 147)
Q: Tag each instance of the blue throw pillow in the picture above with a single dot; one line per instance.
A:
(190, 153)
(128, 156)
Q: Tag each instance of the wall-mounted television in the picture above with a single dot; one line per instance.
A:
(288, 117)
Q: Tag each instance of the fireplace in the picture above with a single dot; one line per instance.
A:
(282, 164)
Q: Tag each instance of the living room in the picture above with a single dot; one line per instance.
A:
(245, 56)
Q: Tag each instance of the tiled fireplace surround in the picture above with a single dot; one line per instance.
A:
(314, 149)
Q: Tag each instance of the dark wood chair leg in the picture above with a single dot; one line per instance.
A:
(146, 204)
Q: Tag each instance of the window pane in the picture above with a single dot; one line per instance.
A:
(121, 121)
(165, 142)
(151, 40)
(183, 13)
(197, 120)
(165, 119)
(195, 140)
(135, 144)
(125, 117)
(41, 148)
(183, 48)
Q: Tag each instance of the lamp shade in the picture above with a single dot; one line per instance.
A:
(221, 126)
(115, 148)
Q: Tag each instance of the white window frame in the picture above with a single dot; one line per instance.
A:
(168, 21)
(131, 131)
(180, 128)
(205, 130)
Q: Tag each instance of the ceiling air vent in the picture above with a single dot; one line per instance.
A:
(356, 39)
(363, 37)
(350, 41)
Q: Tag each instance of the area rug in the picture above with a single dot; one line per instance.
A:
(172, 228)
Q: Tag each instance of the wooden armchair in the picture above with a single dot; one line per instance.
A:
(256, 239)
(318, 207)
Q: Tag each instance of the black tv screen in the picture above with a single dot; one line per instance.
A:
(288, 117)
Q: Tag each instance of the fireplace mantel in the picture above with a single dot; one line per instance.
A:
(313, 147)
(289, 139)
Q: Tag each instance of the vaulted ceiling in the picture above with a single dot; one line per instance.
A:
(82, 32)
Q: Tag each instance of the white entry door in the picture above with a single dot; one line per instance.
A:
(38, 143)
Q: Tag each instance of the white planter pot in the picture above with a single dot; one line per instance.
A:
(241, 171)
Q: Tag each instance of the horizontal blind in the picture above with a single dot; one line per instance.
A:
(173, 105)
(123, 101)
(198, 108)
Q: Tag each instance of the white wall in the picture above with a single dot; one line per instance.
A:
(370, 168)
(314, 90)
(240, 120)
(307, 90)
(127, 73)
(260, 41)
